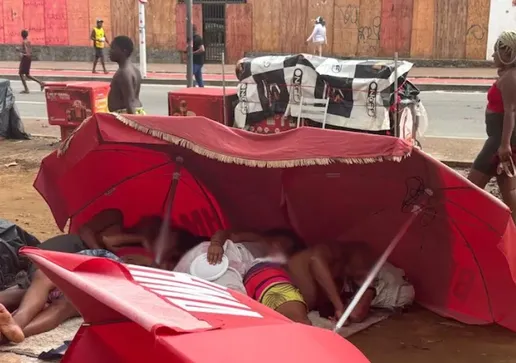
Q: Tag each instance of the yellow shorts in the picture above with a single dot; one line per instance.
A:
(279, 294)
(138, 111)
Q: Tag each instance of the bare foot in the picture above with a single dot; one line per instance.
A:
(42, 85)
(8, 327)
(25, 92)
(106, 72)
(94, 72)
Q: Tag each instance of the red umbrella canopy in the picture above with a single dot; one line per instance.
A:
(326, 185)
(170, 315)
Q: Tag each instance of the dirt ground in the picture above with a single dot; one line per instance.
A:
(416, 336)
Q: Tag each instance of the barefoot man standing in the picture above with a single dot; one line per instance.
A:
(98, 35)
(26, 61)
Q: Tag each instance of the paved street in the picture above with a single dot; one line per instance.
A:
(457, 115)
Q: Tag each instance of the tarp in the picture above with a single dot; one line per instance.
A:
(327, 185)
(12, 238)
(361, 92)
(11, 125)
(137, 314)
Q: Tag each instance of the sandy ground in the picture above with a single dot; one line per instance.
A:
(416, 336)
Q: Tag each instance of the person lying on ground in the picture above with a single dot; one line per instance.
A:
(103, 231)
(256, 263)
(315, 271)
(42, 308)
(90, 236)
(389, 290)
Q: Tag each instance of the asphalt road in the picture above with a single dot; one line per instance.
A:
(451, 114)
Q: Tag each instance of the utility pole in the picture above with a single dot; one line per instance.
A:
(143, 42)
(189, 43)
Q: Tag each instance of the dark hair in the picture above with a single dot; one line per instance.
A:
(350, 249)
(124, 43)
(297, 242)
(320, 20)
(24, 34)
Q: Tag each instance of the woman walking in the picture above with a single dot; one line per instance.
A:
(318, 36)
(496, 157)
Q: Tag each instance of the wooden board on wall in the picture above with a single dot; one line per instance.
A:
(477, 28)
(450, 35)
(124, 18)
(102, 9)
(396, 27)
(293, 26)
(267, 20)
(160, 18)
(56, 22)
(345, 27)
(34, 20)
(2, 39)
(79, 27)
(239, 31)
(423, 29)
(369, 26)
(13, 20)
(181, 23)
(324, 8)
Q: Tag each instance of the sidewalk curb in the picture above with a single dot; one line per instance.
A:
(232, 75)
(234, 83)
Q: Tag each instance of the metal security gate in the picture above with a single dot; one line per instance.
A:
(214, 30)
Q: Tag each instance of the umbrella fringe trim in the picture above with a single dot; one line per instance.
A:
(249, 162)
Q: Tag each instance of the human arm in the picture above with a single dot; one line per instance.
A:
(313, 34)
(89, 238)
(320, 269)
(361, 311)
(93, 35)
(117, 240)
(199, 44)
(507, 85)
(216, 249)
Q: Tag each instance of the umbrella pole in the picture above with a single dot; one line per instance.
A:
(374, 271)
(396, 108)
(224, 89)
(163, 237)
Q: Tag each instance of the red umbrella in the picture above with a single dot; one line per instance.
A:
(327, 185)
(137, 314)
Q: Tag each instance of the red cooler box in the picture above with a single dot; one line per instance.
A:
(205, 102)
(69, 104)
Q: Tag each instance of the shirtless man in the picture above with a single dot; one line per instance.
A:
(124, 96)
(325, 270)
(26, 61)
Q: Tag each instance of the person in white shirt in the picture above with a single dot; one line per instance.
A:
(318, 36)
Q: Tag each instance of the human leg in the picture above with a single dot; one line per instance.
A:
(103, 62)
(34, 300)
(287, 300)
(54, 315)
(24, 83)
(197, 71)
(507, 187)
(9, 330)
(12, 297)
(484, 165)
(41, 84)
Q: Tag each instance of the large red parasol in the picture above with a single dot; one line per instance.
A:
(136, 314)
(327, 185)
